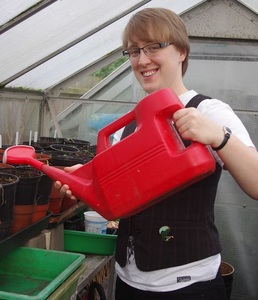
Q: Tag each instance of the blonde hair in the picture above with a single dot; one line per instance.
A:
(158, 25)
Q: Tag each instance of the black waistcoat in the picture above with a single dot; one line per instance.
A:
(189, 214)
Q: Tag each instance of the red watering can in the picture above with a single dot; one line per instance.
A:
(138, 171)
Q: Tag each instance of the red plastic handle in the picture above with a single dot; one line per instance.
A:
(104, 134)
(161, 103)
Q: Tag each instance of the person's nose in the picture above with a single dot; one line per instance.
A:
(143, 58)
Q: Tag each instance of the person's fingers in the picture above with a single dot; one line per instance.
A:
(57, 185)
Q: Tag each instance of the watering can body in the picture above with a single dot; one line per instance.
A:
(144, 167)
(152, 162)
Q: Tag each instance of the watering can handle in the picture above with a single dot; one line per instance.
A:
(164, 103)
(103, 142)
(106, 132)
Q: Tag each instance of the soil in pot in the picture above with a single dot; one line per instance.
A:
(51, 140)
(45, 158)
(84, 155)
(80, 144)
(66, 160)
(8, 185)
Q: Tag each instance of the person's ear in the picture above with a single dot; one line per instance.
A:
(182, 55)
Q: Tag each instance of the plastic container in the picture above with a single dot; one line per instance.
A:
(67, 290)
(31, 273)
(92, 243)
(95, 223)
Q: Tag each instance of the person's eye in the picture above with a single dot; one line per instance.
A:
(134, 52)
(153, 48)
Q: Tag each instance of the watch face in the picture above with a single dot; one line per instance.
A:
(227, 130)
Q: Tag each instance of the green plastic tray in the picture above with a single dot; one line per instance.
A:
(92, 243)
(33, 274)
(68, 289)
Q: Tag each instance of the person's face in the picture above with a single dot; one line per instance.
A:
(162, 70)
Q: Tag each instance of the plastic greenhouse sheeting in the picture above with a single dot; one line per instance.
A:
(66, 37)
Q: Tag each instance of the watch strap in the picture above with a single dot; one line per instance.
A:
(225, 140)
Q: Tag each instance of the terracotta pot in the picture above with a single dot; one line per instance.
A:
(22, 217)
(55, 193)
(1, 154)
(56, 197)
(5, 166)
(67, 203)
(40, 211)
(55, 205)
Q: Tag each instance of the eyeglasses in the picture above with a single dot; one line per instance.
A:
(149, 50)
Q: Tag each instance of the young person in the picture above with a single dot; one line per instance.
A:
(186, 264)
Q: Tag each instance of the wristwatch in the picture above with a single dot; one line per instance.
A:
(227, 133)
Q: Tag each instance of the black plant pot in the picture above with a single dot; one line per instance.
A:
(36, 146)
(8, 185)
(44, 190)
(64, 149)
(51, 140)
(28, 184)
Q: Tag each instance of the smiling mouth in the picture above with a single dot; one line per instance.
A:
(149, 73)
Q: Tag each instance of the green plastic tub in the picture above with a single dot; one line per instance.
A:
(33, 274)
(68, 289)
(92, 243)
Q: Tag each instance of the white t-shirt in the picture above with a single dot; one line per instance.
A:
(206, 269)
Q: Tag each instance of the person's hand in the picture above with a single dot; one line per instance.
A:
(64, 189)
(194, 126)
